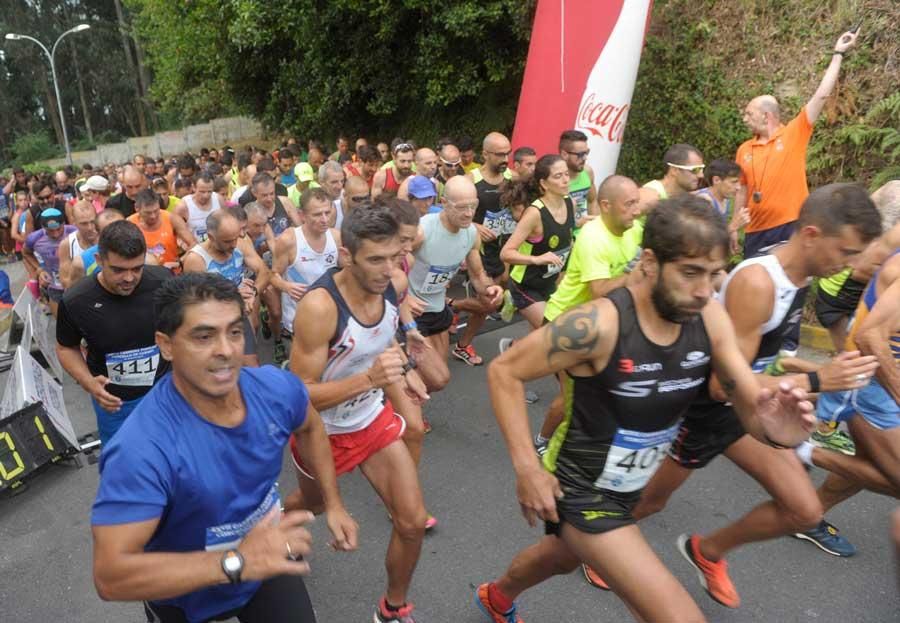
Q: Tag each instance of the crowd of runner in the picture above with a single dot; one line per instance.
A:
(166, 277)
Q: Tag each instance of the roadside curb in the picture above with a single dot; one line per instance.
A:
(812, 336)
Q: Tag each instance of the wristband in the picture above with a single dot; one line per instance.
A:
(836, 52)
(814, 384)
(409, 326)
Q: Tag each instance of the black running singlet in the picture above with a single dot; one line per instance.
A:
(557, 237)
(619, 423)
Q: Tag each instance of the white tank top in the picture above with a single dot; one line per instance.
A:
(351, 350)
(197, 218)
(75, 248)
(308, 266)
(787, 310)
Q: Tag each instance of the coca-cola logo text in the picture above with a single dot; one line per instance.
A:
(604, 120)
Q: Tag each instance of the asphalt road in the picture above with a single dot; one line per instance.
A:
(45, 544)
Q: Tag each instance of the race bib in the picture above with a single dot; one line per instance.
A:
(634, 457)
(553, 269)
(200, 235)
(500, 223)
(135, 367)
(436, 279)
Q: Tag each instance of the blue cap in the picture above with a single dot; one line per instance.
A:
(421, 187)
(51, 218)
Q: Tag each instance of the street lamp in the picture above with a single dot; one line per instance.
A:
(50, 55)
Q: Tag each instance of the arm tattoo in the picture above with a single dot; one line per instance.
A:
(575, 331)
(729, 386)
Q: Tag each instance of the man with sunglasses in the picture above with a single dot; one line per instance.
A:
(773, 161)
(684, 170)
(44, 196)
(388, 179)
(449, 161)
(573, 148)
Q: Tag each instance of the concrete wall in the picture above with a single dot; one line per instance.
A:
(216, 133)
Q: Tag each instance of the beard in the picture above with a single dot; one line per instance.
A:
(667, 308)
(501, 167)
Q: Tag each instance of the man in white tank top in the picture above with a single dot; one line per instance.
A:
(195, 208)
(75, 243)
(302, 255)
(346, 353)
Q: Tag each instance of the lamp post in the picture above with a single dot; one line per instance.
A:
(50, 55)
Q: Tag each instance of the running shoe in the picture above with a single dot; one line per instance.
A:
(427, 424)
(828, 539)
(508, 310)
(430, 522)
(836, 441)
(531, 397)
(494, 615)
(504, 344)
(467, 354)
(383, 615)
(713, 575)
(593, 578)
(541, 447)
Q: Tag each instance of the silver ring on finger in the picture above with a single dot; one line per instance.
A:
(861, 378)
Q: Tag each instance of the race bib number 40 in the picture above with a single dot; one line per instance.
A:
(633, 458)
(135, 367)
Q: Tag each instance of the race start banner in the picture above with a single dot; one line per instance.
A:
(582, 64)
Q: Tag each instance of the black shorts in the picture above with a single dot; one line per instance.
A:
(706, 432)
(830, 309)
(591, 513)
(758, 241)
(51, 294)
(432, 323)
(523, 296)
(493, 265)
(281, 598)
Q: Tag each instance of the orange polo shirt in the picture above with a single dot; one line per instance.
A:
(776, 168)
(162, 241)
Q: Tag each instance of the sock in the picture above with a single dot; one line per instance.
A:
(391, 608)
(539, 439)
(804, 453)
(498, 600)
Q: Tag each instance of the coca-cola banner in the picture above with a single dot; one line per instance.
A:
(582, 64)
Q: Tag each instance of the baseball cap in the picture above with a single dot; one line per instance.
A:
(51, 218)
(421, 187)
(94, 182)
(304, 172)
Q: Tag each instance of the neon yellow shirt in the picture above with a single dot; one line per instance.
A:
(597, 254)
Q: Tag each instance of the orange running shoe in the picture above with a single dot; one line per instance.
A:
(593, 578)
(713, 575)
(494, 615)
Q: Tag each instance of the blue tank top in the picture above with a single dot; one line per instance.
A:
(232, 269)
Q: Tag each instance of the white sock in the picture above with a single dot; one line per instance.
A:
(804, 453)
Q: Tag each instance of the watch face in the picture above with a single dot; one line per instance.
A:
(232, 563)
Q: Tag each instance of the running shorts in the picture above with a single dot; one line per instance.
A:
(52, 294)
(349, 450)
(706, 432)
(490, 259)
(591, 512)
(872, 402)
(523, 296)
(432, 323)
(830, 309)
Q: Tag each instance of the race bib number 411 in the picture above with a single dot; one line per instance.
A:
(135, 367)
(633, 458)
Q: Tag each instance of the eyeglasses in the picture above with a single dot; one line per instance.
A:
(696, 169)
(462, 207)
(581, 155)
(43, 198)
(447, 163)
(499, 154)
(359, 198)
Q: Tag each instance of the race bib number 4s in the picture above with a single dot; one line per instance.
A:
(633, 458)
(135, 367)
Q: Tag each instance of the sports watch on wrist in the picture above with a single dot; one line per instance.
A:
(232, 565)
